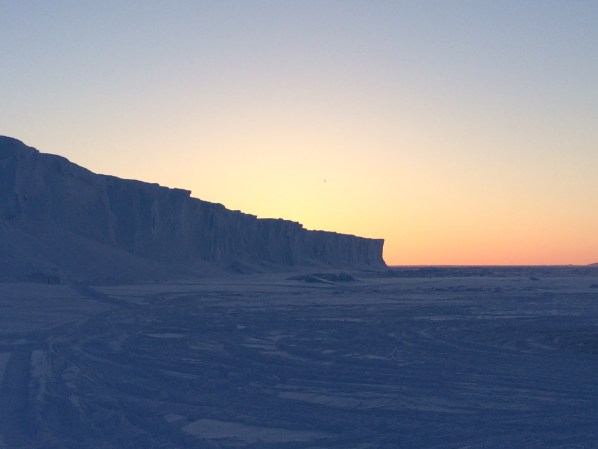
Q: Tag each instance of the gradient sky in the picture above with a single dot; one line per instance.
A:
(462, 132)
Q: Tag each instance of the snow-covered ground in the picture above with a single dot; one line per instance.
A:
(428, 358)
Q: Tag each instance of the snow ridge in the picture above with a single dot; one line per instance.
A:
(58, 217)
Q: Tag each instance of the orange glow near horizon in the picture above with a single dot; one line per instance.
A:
(432, 208)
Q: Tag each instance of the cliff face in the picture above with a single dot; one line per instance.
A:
(47, 197)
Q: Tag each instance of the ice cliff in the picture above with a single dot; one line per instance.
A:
(57, 217)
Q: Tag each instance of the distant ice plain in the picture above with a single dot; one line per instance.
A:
(432, 358)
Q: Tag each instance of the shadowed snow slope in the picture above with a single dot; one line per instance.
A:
(58, 219)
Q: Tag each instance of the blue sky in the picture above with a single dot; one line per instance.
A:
(460, 131)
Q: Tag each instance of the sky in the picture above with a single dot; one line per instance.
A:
(460, 131)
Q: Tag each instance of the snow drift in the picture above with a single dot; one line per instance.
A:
(59, 219)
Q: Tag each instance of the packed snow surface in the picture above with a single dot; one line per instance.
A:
(415, 358)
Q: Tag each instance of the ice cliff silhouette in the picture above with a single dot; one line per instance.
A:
(59, 220)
